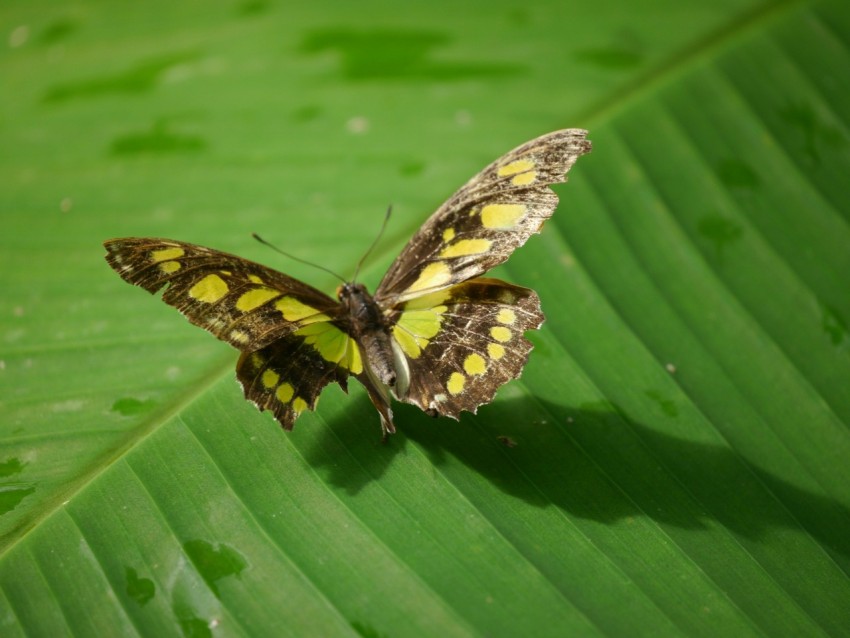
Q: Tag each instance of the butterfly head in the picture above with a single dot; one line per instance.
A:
(361, 306)
(350, 290)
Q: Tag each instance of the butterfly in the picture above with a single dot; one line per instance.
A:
(435, 334)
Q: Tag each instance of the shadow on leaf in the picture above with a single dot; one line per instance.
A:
(593, 462)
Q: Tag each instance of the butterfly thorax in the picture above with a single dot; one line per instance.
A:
(371, 330)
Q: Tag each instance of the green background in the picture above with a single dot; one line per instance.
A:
(682, 457)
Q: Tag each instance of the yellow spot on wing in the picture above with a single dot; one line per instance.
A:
(496, 351)
(448, 234)
(255, 298)
(422, 323)
(209, 289)
(507, 297)
(270, 378)
(355, 362)
(433, 275)
(524, 179)
(166, 254)
(502, 216)
(500, 333)
(456, 383)
(475, 364)
(428, 301)
(506, 315)
(407, 341)
(517, 166)
(294, 310)
(415, 328)
(331, 343)
(284, 392)
(299, 405)
(255, 279)
(169, 267)
(466, 247)
(329, 340)
(239, 336)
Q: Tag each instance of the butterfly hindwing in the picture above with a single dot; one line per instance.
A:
(239, 301)
(287, 376)
(462, 343)
(486, 220)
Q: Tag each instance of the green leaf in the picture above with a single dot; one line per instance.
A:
(674, 460)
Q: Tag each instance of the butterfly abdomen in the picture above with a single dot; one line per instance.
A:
(384, 372)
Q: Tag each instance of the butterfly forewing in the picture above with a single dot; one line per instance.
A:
(486, 220)
(237, 300)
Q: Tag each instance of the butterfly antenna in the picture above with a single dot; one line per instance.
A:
(374, 243)
(303, 261)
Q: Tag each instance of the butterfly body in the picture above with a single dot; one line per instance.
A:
(435, 333)
(370, 329)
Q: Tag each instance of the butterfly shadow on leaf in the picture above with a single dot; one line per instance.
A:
(348, 449)
(596, 463)
(592, 462)
(351, 452)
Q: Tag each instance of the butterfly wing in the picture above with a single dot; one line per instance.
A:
(486, 220)
(458, 336)
(288, 375)
(294, 338)
(241, 302)
(462, 343)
